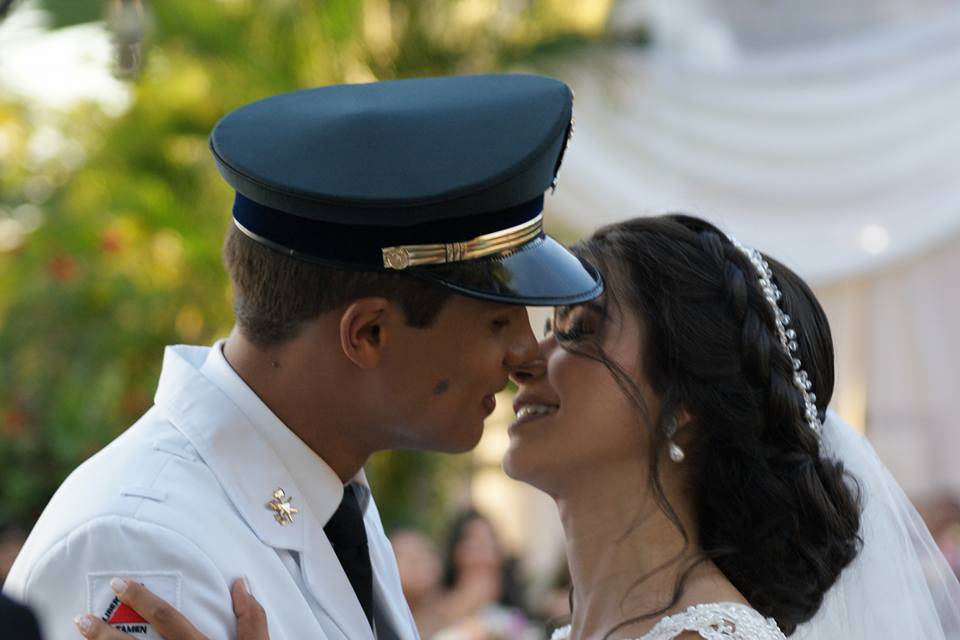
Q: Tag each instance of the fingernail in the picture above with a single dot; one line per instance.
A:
(246, 585)
(83, 623)
(119, 585)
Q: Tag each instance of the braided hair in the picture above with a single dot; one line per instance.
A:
(780, 521)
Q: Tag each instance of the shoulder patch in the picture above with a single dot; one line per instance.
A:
(101, 600)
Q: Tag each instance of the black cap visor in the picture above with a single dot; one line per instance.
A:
(541, 273)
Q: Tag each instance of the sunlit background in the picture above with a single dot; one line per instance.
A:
(824, 132)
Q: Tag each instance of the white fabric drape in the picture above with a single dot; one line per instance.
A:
(796, 126)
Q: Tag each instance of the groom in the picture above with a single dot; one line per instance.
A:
(385, 239)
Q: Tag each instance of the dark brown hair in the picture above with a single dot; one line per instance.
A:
(778, 519)
(274, 294)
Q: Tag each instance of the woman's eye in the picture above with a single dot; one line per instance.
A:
(575, 330)
(500, 323)
(572, 323)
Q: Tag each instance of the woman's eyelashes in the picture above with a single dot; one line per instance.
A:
(571, 324)
(575, 330)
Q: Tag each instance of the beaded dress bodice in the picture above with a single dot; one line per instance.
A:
(715, 621)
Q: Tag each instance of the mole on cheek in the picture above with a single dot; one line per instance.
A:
(441, 387)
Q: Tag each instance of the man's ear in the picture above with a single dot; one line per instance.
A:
(362, 330)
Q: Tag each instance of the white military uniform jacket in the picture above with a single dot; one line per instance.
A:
(179, 502)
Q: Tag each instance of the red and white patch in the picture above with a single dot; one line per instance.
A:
(121, 617)
(120, 613)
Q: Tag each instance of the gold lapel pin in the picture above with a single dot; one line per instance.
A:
(280, 505)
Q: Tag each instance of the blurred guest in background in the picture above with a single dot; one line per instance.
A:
(420, 568)
(482, 598)
(942, 516)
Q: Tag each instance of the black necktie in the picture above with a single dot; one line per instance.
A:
(349, 539)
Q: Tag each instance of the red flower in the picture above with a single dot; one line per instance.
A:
(13, 423)
(62, 267)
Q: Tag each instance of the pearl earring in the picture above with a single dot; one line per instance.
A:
(676, 453)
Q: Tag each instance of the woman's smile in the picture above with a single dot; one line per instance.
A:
(529, 408)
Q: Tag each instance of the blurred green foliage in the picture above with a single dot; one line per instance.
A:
(122, 217)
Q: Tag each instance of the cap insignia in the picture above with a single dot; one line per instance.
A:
(497, 242)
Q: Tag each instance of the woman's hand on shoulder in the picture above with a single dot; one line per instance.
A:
(170, 623)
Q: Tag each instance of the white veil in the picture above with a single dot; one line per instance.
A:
(899, 586)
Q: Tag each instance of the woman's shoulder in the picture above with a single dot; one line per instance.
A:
(714, 621)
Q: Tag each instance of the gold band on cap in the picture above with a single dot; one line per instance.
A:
(413, 255)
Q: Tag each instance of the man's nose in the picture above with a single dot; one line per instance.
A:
(523, 345)
(529, 361)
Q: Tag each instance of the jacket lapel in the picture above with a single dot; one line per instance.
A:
(328, 583)
(250, 471)
(388, 594)
(246, 467)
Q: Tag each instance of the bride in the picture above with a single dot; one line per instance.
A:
(680, 423)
